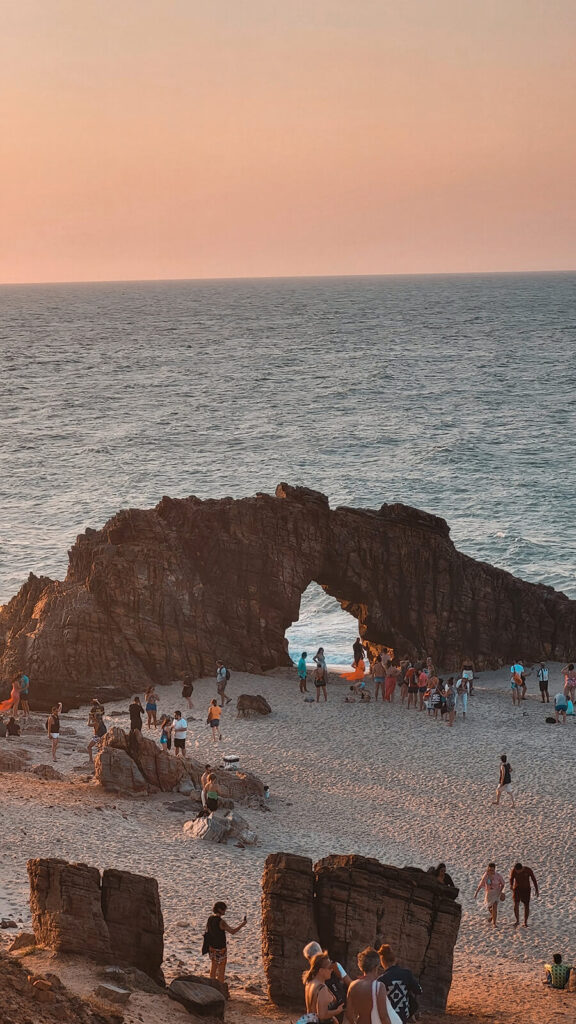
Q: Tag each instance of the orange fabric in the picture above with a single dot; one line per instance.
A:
(6, 705)
(214, 712)
(357, 674)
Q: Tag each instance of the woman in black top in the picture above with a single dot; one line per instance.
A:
(215, 938)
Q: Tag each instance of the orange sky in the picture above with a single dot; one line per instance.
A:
(179, 138)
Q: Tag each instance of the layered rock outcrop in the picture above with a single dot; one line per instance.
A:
(156, 594)
(348, 903)
(114, 917)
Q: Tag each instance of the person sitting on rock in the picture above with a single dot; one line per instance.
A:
(99, 733)
(401, 985)
(557, 973)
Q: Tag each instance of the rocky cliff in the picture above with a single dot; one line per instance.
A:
(348, 903)
(155, 594)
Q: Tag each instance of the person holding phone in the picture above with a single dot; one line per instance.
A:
(215, 939)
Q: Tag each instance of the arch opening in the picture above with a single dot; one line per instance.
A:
(322, 622)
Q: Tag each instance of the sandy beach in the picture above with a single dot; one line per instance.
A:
(373, 779)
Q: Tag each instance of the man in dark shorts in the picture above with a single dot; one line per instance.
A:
(179, 731)
(136, 712)
(520, 879)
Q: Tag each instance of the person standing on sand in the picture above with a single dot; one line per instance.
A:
(151, 707)
(493, 885)
(213, 720)
(210, 794)
(215, 940)
(368, 1001)
(560, 708)
(392, 673)
(569, 674)
(517, 669)
(423, 682)
(412, 684)
(462, 693)
(401, 985)
(505, 781)
(320, 1001)
(222, 677)
(179, 732)
(520, 879)
(136, 712)
(303, 672)
(516, 687)
(359, 650)
(543, 683)
(321, 662)
(320, 683)
(187, 690)
(377, 671)
(53, 728)
(338, 981)
(24, 694)
(450, 701)
(14, 699)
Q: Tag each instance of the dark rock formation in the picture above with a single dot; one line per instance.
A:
(249, 704)
(116, 918)
(132, 763)
(156, 594)
(199, 996)
(348, 903)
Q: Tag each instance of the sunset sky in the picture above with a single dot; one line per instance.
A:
(180, 139)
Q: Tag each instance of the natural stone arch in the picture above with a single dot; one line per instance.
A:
(155, 594)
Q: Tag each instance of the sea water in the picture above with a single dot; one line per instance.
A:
(451, 393)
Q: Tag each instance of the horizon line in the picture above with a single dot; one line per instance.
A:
(281, 277)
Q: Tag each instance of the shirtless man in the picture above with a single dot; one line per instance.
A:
(368, 990)
(520, 879)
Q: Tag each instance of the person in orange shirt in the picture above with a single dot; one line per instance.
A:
(213, 720)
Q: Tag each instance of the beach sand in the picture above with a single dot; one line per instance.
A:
(377, 780)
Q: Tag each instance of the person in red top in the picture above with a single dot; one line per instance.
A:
(520, 879)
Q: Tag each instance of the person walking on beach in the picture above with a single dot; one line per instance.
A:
(136, 712)
(320, 683)
(543, 683)
(215, 940)
(213, 720)
(493, 885)
(53, 728)
(378, 671)
(505, 781)
(303, 672)
(151, 707)
(187, 690)
(368, 1001)
(521, 880)
(179, 732)
(222, 677)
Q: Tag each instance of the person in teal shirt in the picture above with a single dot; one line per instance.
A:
(303, 672)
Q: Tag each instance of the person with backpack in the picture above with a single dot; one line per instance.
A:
(505, 782)
(53, 728)
(222, 677)
(543, 683)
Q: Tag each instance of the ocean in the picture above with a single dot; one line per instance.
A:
(451, 393)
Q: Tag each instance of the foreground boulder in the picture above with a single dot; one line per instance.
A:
(252, 704)
(199, 997)
(219, 827)
(151, 596)
(113, 918)
(348, 903)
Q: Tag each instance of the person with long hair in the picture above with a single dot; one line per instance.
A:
(368, 1002)
(151, 707)
(13, 701)
(215, 939)
(319, 998)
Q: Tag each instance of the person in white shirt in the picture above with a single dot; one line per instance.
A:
(179, 731)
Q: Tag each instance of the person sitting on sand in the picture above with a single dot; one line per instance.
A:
(505, 780)
(401, 985)
(319, 998)
(213, 720)
(303, 671)
(338, 982)
(215, 939)
(560, 708)
(3, 728)
(368, 1001)
(99, 733)
(557, 973)
(320, 682)
(493, 885)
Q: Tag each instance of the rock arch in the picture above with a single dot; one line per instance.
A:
(158, 593)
